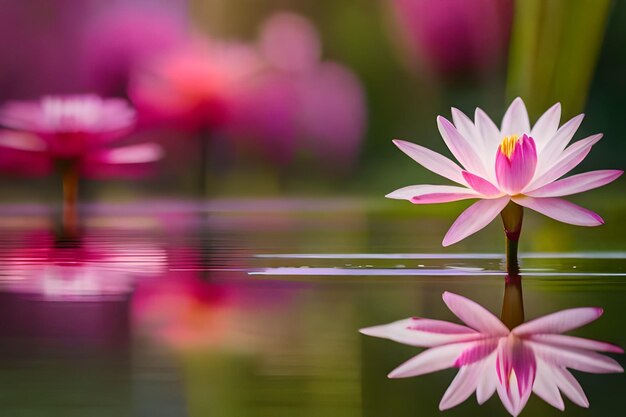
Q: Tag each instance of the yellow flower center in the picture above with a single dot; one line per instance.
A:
(508, 144)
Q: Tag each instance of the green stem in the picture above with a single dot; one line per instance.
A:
(512, 217)
(513, 303)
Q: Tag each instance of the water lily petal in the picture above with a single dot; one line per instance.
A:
(559, 322)
(431, 360)
(474, 315)
(561, 210)
(516, 368)
(133, 154)
(570, 387)
(516, 170)
(515, 120)
(545, 385)
(481, 349)
(481, 185)
(569, 159)
(474, 218)
(555, 146)
(578, 359)
(490, 135)
(461, 387)
(430, 194)
(433, 332)
(576, 183)
(466, 127)
(547, 125)
(575, 342)
(460, 146)
(432, 161)
(487, 384)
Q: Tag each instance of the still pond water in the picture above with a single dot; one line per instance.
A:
(252, 307)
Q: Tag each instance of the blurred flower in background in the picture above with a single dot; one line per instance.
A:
(70, 132)
(301, 103)
(453, 37)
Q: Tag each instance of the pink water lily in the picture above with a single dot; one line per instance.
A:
(74, 128)
(532, 357)
(516, 163)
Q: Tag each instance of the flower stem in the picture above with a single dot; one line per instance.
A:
(513, 303)
(512, 217)
(70, 198)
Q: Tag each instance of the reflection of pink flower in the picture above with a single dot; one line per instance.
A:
(71, 128)
(454, 36)
(182, 311)
(76, 269)
(194, 85)
(533, 356)
(300, 102)
(514, 163)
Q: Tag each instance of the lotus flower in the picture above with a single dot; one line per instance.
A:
(515, 163)
(532, 357)
(71, 129)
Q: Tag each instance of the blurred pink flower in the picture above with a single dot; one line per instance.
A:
(182, 311)
(122, 35)
(532, 357)
(194, 86)
(76, 129)
(454, 36)
(512, 164)
(300, 102)
(76, 269)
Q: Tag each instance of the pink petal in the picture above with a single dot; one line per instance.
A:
(515, 120)
(569, 159)
(474, 315)
(431, 360)
(576, 183)
(488, 130)
(434, 333)
(578, 359)
(561, 210)
(570, 387)
(430, 194)
(432, 161)
(461, 387)
(474, 218)
(516, 368)
(22, 141)
(487, 384)
(545, 386)
(559, 322)
(134, 154)
(514, 172)
(547, 125)
(575, 342)
(561, 139)
(478, 352)
(466, 127)
(481, 185)
(462, 150)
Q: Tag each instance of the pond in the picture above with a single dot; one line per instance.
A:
(251, 307)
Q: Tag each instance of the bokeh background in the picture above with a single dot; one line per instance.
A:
(411, 60)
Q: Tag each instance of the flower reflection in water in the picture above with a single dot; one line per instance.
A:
(77, 269)
(512, 361)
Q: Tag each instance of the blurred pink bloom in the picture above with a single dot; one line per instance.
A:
(454, 36)
(194, 86)
(122, 35)
(182, 311)
(532, 357)
(301, 102)
(514, 163)
(76, 269)
(71, 128)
